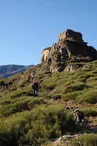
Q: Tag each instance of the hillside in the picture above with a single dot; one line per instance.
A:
(25, 119)
(9, 70)
(47, 119)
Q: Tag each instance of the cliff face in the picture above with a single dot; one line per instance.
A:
(69, 53)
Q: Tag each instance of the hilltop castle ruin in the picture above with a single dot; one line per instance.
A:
(69, 49)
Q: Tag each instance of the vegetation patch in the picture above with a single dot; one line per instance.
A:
(85, 140)
(35, 127)
(28, 120)
(89, 111)
(89, 97)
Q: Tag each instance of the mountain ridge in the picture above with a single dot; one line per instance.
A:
(12, 69)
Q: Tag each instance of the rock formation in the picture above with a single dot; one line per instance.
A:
(71, 35)
(69, 53)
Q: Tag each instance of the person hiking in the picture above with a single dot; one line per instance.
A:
(32, 76)
(29, 76)
(78, 116)
(35, 86)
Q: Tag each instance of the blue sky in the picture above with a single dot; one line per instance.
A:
(29, 26)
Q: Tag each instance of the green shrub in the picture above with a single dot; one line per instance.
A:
(54, 96)
(35, 102)
(16, 105)
(89, 111)
(85, 140)
(90, 96)
(36, 126)
(71, 96)
(49, 86)
(11, 132)
(75, 87)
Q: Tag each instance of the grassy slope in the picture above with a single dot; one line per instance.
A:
(25, 119)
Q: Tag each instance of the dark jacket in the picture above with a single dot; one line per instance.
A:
(35, 85)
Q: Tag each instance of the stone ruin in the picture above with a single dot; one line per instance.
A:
(69, 53)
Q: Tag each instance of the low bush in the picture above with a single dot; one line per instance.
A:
(16, 105)
(89, 111)
(36, 126)
(71, 96)
(89, 96)
(85, 140)
(49, 86)
(35, 102)
(75, 87)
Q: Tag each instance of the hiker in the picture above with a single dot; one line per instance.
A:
(32, 76)
(78, 116)
(35, 88)
(29, 76)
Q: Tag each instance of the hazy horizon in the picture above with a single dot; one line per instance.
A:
(15, 64)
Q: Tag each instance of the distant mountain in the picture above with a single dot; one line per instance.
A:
(9, 70)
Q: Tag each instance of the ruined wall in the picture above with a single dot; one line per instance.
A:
(44, 54)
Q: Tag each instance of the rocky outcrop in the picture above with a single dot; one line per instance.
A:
(70, 35)
(69, 53)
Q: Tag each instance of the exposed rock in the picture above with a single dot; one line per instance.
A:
(69, 53)
(64, 140)
(70, 35)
